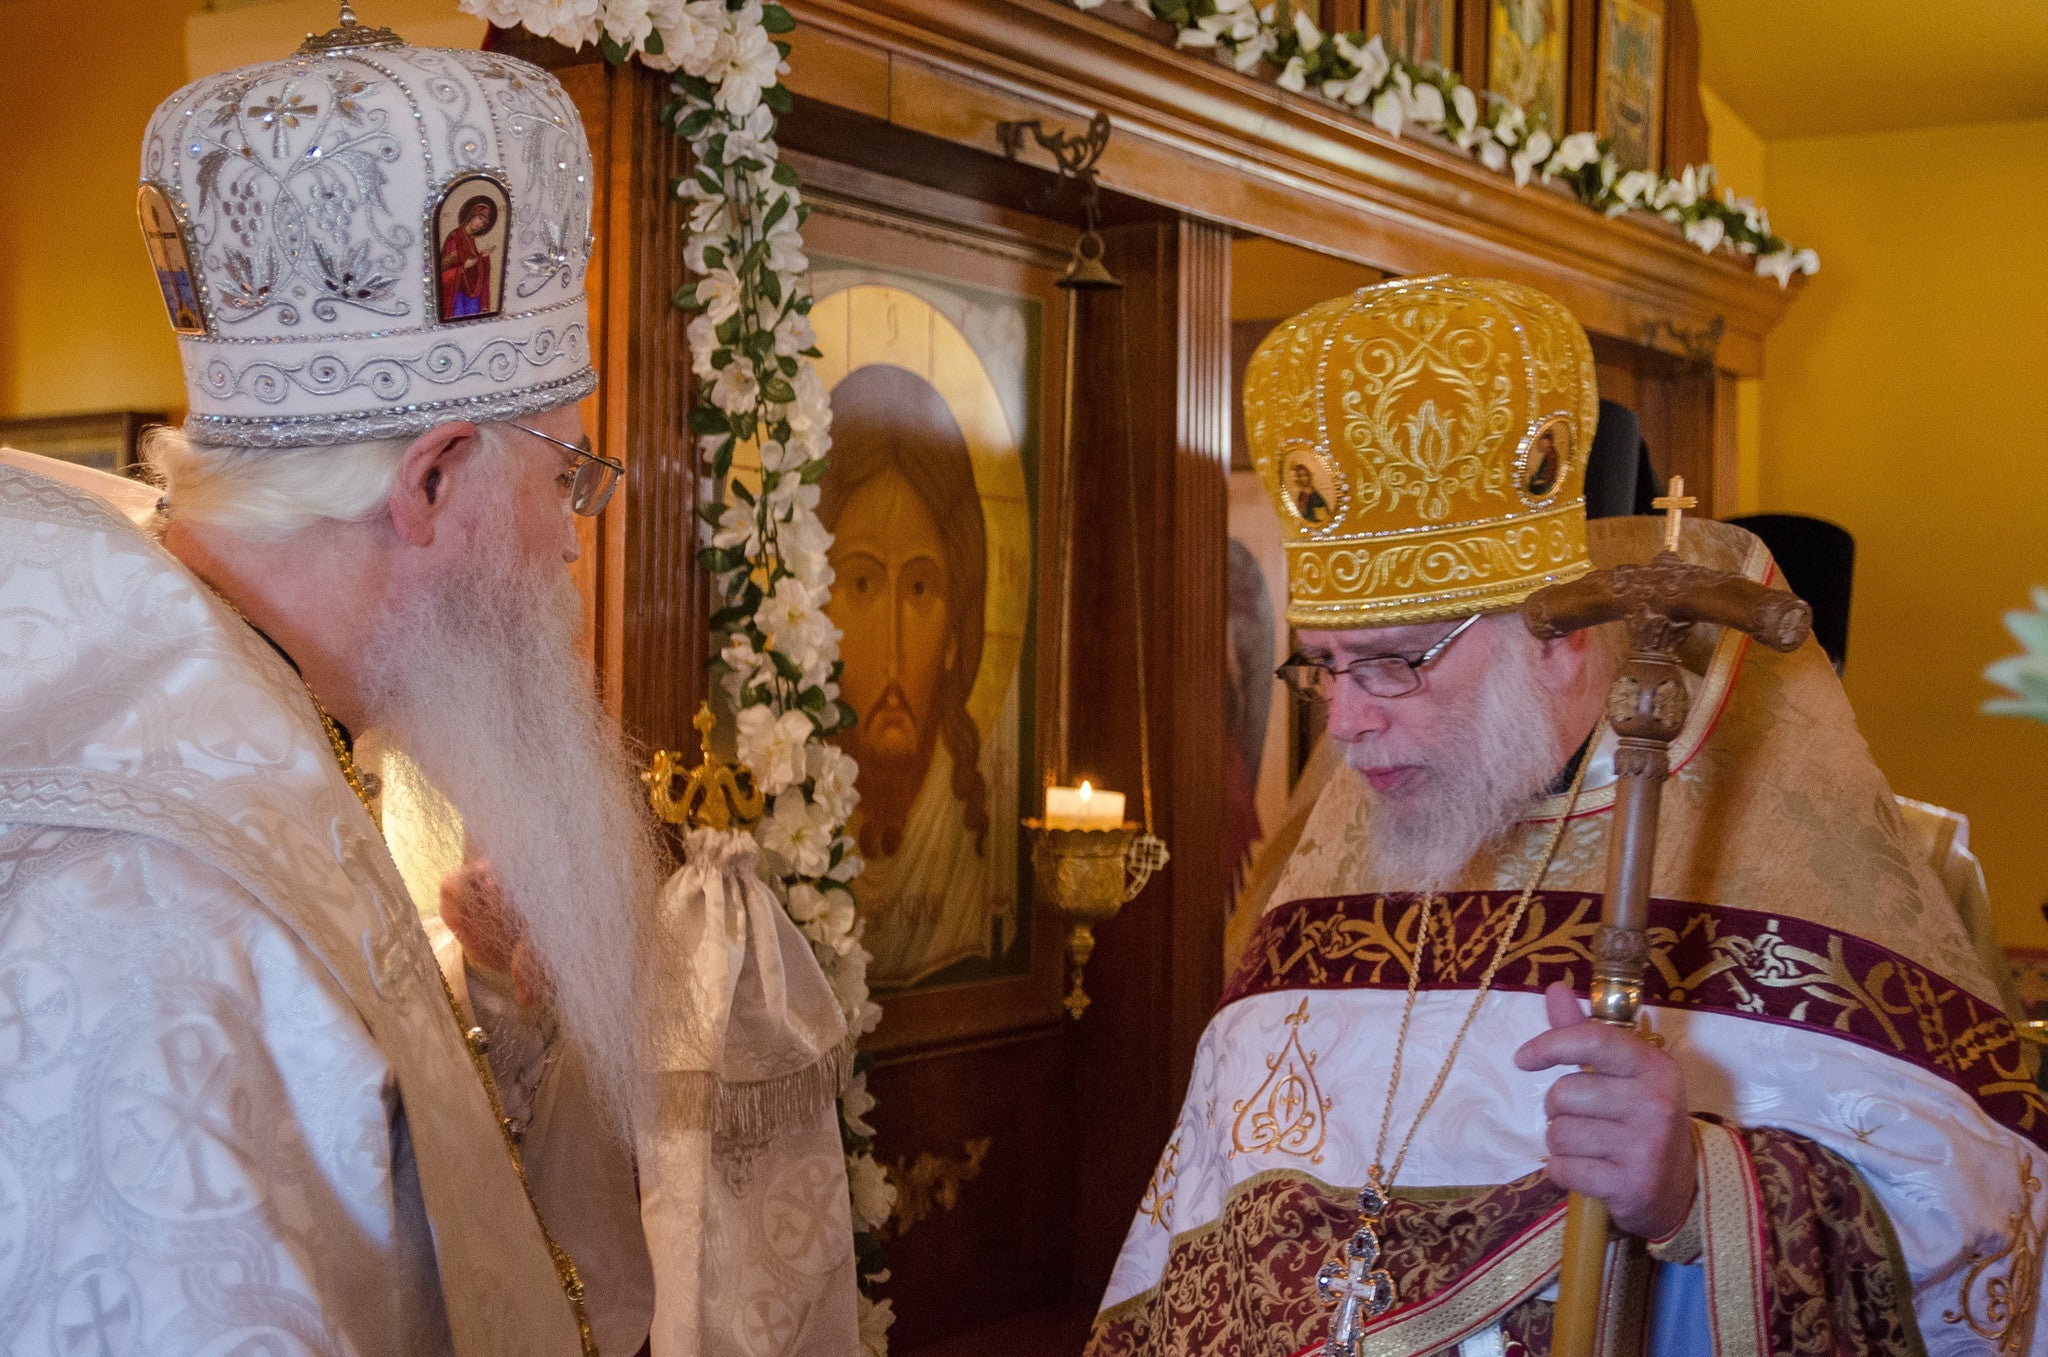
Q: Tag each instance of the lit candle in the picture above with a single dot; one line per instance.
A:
(1083, 807)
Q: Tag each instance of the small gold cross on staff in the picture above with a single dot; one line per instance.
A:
(1674, 506)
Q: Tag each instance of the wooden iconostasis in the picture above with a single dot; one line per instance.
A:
(1020, 1140)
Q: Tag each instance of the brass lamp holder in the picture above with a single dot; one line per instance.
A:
(1088, 875)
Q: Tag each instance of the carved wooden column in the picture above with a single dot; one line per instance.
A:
(1157, 970)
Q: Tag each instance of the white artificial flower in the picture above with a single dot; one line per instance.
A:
(712, 216)
(748, 65)
(1706, 232)
(1294, 75)
(877, 1315)
(573, 23)
(747, 666)
(1535, 151)
(874, 1196)
(1493, 155)
(832, 772)
(1371, 59)
(1466, 105)
(628, 22)
(791, 494)
(1305, 31)
(734, 387)
(1512, 123)
(1424, 103)
(1195, 37)
(851, 864)
(856, 1103)
(1252, 50)
(786, 247)
(835, 928)
(1387, 113)
(1634, 188)
(773, 747)
(753, 138)
(1777, 264)
(792, 834)
(738, 527)
(1681, 192)
(806, 547)
(1087, 4)
(702, 336)
(1576, 151)
(1806, 261)
(691, 32)
(720, 292)
(794, 334)
(804, 901)
(497, 13)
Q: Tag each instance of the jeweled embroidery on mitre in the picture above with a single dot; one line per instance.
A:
(1425, 443)
(375, 240)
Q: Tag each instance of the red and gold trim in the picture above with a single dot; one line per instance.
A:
(1707, 958)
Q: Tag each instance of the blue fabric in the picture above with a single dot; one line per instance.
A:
(1678, 1312)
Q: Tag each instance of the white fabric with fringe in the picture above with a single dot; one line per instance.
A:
(742, 1178)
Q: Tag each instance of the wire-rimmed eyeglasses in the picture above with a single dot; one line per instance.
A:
(1380, 675)
(595, 479)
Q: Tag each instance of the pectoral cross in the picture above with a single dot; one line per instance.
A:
(1674, 505)
(1355, 1282)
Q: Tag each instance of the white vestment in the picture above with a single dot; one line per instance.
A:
(236, 1113)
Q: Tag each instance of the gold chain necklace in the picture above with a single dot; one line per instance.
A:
(1354, 1281)
(473, 1036)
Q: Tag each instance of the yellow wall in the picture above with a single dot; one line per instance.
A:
(1738, 156)
(1906, 398)
(82, 324)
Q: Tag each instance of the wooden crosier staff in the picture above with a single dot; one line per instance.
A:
(1647, 706)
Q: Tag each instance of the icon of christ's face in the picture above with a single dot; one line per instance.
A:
(889, 600)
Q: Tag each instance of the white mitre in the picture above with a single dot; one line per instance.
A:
(300, 213)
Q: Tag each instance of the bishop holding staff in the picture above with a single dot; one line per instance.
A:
(1825, 1137)
(244, 1106)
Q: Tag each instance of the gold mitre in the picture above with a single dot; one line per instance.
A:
(1425, 442)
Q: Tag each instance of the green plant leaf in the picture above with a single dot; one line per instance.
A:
(777, 98)
(776, 19)
(709, 419)
(778, 390)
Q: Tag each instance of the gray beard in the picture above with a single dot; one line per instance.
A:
(480, 691)
(1499, 755)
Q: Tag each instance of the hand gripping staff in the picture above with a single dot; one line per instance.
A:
(1647, 706)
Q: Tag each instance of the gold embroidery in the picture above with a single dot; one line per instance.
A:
(1287, 1112)
(1891, 1003)
(1157, 1203)
(2008, 1301)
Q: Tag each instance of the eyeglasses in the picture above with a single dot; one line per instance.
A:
(1380, 675)
(596, 477)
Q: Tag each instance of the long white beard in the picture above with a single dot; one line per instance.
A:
(480, 689)
(1499, 755)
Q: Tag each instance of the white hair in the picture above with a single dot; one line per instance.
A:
(271, 493)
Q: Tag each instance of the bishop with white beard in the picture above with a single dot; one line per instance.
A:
(1399, 1086)
(241, 1108)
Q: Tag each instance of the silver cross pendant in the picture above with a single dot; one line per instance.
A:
(1354, 1281)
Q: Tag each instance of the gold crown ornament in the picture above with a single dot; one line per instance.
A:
(1425, 442)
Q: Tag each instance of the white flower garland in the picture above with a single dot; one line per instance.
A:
(1397, 95)
(751, 343)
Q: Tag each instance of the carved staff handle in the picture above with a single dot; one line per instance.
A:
(1647, 707)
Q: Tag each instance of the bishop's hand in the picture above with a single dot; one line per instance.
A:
(1620, 1129)
(490, 933)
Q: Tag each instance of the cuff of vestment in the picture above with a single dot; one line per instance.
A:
(1688, 1243)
